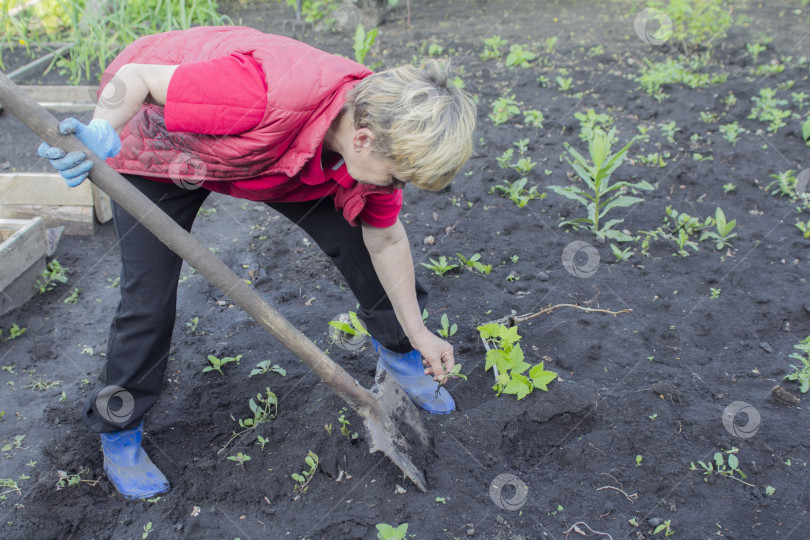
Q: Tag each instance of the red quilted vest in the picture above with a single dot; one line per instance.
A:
(306, 89)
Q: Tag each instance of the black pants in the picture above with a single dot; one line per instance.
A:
(141, 331)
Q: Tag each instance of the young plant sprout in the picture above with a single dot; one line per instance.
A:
(240, 458)
(473, 264)
(517, 193)
(447, 329)
(801, 374)
(440, 267)
(303, 478)
(218, 363)
(266, 366)
(388, 532)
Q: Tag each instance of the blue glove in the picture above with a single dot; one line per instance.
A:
(99, 136)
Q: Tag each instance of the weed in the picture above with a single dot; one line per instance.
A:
(708, 118)
(15, 445)
(525, 165)
(731, 132)
(388, 532)
(600, 197)
(654, 75)
(784, 185)
(265, 366)
(669, 130)
(589, 121)
(54, 273)
(727, 467)
(801, 375)
(533, 118)
(714, 293)
(217, 363)
(435, 50)
(303, 478)
(518, 56)
(40, 383)
(265, 410)
(803, 227)
(766, 109)
(240, 458)
(10, 486)
(503, 109)
(522, 145)
(516, 192)
(507, 359)
(492, 48)
(621, 254)
(13, 333)
(344, 426)
(67, 480)
(192, 324)
(440, 267)
(473, 264)
(363, 41)
(73, 297)
(722, 232)
(564, 83)
(799, 99)
(504, 161)
(754, 49)
(146, 530)
(665, 528)
(550, 43)
(696, 23)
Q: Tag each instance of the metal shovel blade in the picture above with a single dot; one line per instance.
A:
(392, 422)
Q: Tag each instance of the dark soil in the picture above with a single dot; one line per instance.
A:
(653, 382)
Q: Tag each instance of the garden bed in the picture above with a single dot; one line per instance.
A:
(640, 397)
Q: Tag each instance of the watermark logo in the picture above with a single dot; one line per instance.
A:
(803, 185)
(25, 16)
(751, 426)
(500, 491)
(580, 259)
(113, 94)
(346, 18)
(348, 332)
(187, 171)
(115, 404)
(653, 26)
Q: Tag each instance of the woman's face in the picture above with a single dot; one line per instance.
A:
(369, 167)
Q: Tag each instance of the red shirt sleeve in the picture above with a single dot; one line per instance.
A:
(223, 96)
(381, 209)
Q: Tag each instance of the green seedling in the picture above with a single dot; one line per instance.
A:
(434, 49)
(265, 410)
(804, 227)
(504, 161)
(387, 532)
(522, 145)
(440, 267)
(344, 425)
(564, 83)
(363, 41)
(695, 24)
(146, 530)
(192, 324)
(265, 366)
(769, 490)
(354, 327)
(550, 43)
(729, 187)
(801, 374)
(806, 131)
(13, 333)
(67, 480)
(589, 121)
(799, 98)
(621, 254)
(784, 185)
(517, 193)
(73, 297)
(240, 458)
(262, 441)
(665, 528)
(442, 500)
(507, 359)
(678, 227)
(503, 109)
(723, 230)
(638, 460)
(754, 49)
(447, 329)
(40, 383)
(10, 486)
(218, 363)
(669, 130)
(655, 159)
(492, 48)
(601, 196)
(525, 165)
(473, 264)
(655, 75)
(533, 118)
(303, 478)
(707, 118)
(14, 445)
(54, 273)
(519, 57)
(766, 109)
(731, 132)
(714, 293)
(727, 467)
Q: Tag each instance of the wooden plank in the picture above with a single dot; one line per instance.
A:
(102, 205)
(62, 94)
(24, 246)
(47, 189)
(22, 289)
(77, 220)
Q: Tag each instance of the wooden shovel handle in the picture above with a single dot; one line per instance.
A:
(178, 240)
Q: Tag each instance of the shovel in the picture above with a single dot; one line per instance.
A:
(386, 409)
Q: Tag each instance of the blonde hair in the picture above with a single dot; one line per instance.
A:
(421, 121)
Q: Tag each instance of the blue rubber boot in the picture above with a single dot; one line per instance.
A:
(128, 467)
(408, 371)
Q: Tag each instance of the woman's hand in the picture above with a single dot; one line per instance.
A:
(437, 354)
